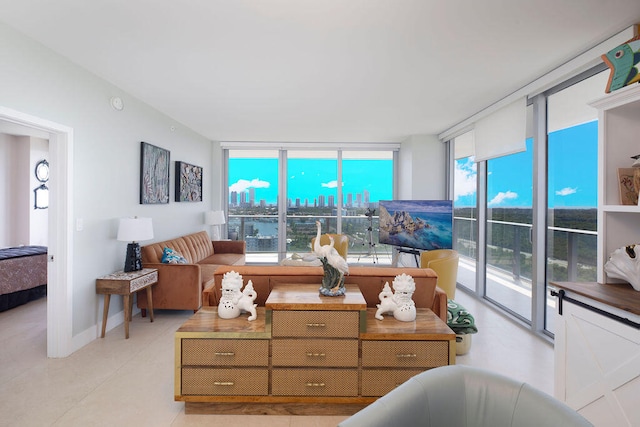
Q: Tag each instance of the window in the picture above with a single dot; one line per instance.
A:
(253, 199)
(465, 219)
(312, 195)
(572, 183)
(367, 178)
(509, 222)
(339, 188)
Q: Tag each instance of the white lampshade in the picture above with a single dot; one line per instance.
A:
(214, 218)
(135, 229)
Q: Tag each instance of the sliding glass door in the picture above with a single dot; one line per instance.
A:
(509, 222)
(572, 183)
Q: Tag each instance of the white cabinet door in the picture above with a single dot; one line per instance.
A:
(597, 366)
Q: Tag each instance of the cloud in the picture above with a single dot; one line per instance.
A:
(502, 196)
(330, 184)
(465, 179)
(566, 191)
(243, 185)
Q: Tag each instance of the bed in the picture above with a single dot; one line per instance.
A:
(23, 275)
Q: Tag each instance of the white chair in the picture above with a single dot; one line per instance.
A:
(464, 396)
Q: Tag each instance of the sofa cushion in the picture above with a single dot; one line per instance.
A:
(171, 256)
(223, 259)
(193, 247)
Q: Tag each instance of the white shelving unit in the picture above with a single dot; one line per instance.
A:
(597, 337)
(618, 140)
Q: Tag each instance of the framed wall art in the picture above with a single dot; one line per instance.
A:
(154, 174)
(188, 182)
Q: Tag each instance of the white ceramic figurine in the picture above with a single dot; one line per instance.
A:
(233, 301)
(400, 302)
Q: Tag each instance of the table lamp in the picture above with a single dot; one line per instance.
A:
(215, 218)
(134, 230)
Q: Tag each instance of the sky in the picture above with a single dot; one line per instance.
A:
(572, 173)
(309, 178)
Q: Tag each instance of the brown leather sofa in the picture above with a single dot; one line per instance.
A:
(180, 286)
(370, 280)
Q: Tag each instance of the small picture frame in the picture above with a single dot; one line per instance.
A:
(188, 182)
(154, 174)
(628, 193)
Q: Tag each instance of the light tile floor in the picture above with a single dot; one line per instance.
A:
(118, 382)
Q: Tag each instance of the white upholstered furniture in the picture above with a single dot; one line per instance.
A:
(463, 396)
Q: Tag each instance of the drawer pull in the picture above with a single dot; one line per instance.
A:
(315, 384)
(406, 356)
(316, 325)
(224, 383)
(230, 353)
(316, 355)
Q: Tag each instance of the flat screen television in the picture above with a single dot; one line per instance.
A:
(417, 224)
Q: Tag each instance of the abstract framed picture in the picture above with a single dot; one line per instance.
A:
(188, 182)
(154, 174)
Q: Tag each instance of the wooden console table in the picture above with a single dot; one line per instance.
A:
(125, 284)
(306, 354)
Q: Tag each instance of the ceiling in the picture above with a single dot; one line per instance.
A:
(319, 70)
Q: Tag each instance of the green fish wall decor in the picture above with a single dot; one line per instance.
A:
(623, 61)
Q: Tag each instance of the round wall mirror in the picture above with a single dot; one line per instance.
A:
(42, 171)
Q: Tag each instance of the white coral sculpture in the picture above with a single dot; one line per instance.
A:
(624, 263)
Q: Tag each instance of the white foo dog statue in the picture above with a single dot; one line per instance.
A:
(233, 302)
(400, 302)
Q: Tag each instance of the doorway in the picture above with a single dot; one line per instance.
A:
(59, 266)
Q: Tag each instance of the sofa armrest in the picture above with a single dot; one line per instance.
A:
(440, 304)
(229, 246)
(179, 286)
(210, 297)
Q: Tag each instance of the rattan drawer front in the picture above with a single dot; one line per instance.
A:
(378, 382)
(314, 382)
(237, 382)
(320, 324)
(405, 354)
(217, 352)
(314, 352)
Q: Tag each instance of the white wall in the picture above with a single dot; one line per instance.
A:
(14, 190)
(20, 192)
(6, 160)
(422, 167)
(106, 159)
(38, 218)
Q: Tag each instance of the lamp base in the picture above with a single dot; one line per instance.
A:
(215, 233)
(133, 259)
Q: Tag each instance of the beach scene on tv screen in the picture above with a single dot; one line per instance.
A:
(417, 224)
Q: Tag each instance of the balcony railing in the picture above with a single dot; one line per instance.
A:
(261, 234)
(578, 246)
